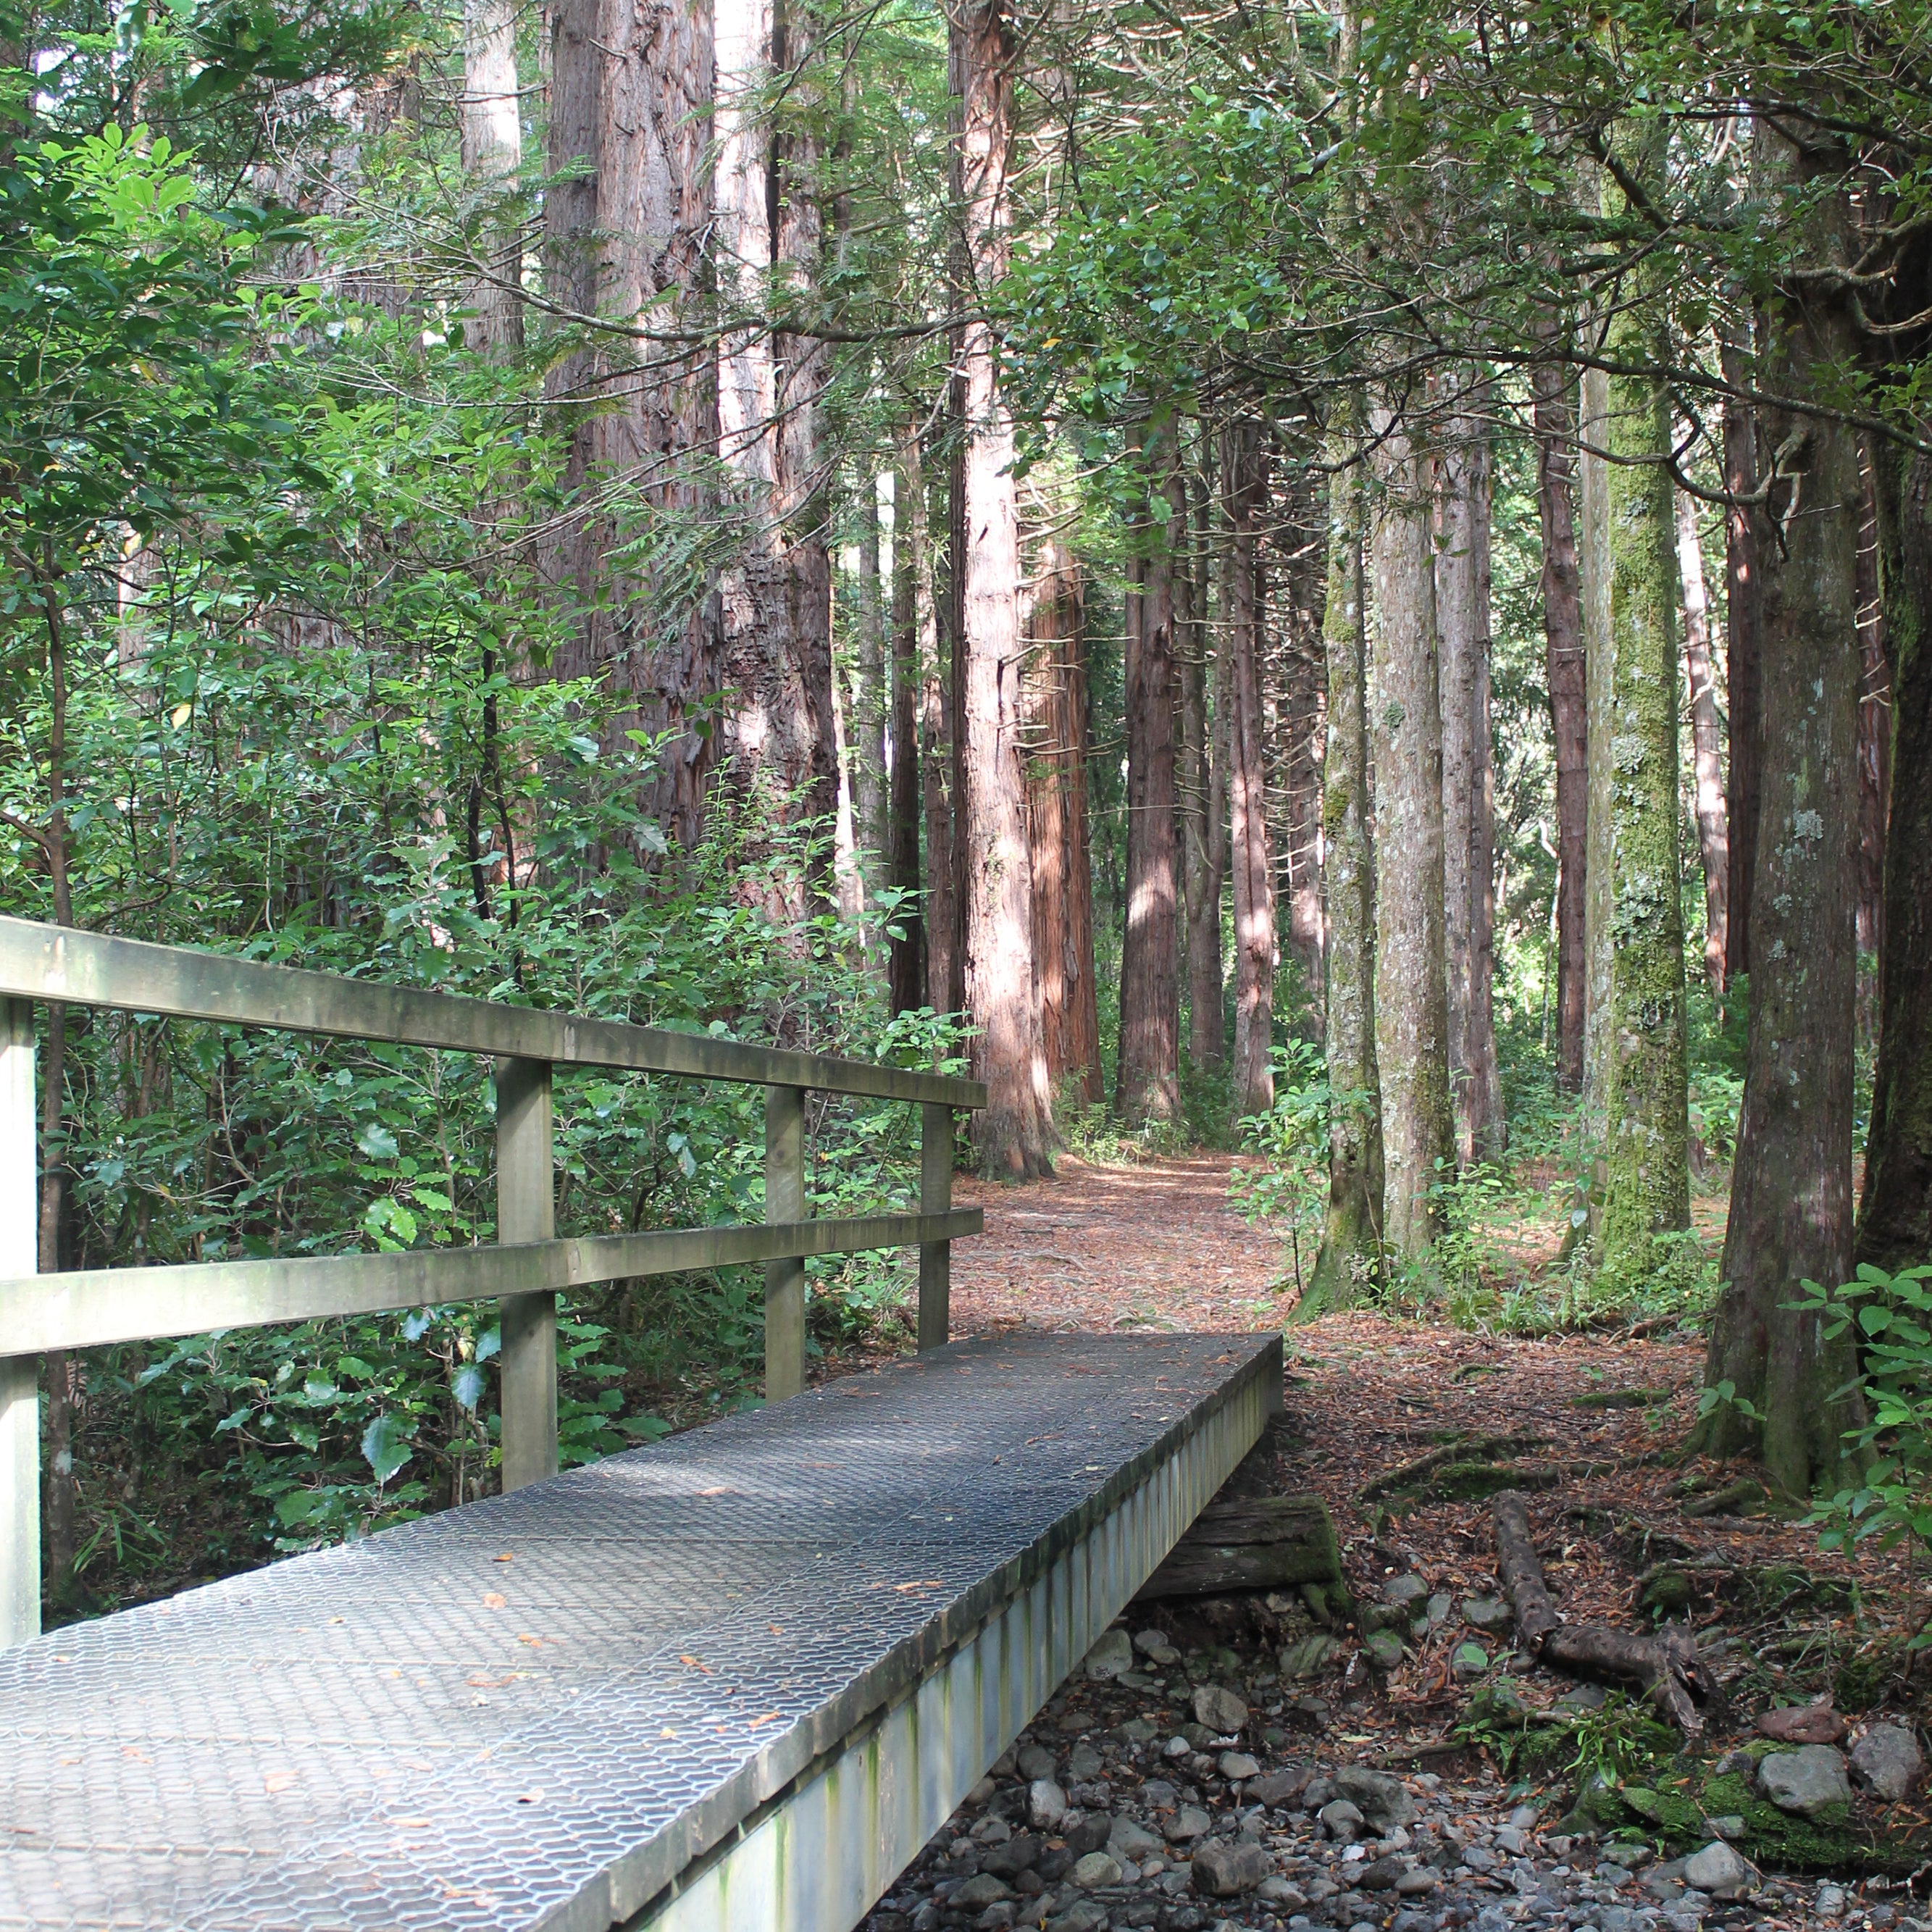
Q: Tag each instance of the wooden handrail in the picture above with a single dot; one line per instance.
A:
(91, 969)
(524, 1270)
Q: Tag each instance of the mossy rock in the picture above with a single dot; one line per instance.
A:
(1674, 1806)
(1475, 1482)
(1622, 1398)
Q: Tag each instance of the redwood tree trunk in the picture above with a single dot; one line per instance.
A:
(1874, 746)
(1351, 1240)
(1063, 881)
(1556, 422)
(912, 621)
(1468, 784)
(1744, 624)
(1895, 1218)
(1148, 1086)
(1014, 1131)
(1406, 722)
(944, 974)
(1713, 839)
(493, 150)
(1791, 1189)
(631, 97)
(1244, 488)
(1200, 867)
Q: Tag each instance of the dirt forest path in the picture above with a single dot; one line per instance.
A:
(1588, 1427)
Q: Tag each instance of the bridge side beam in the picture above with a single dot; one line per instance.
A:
(527, 1211)
(20, 1374)
(784, 1279)
(935, 1197)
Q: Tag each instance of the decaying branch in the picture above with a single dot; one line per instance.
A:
(1667, 1664)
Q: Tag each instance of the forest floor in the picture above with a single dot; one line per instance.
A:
(1597, 1419)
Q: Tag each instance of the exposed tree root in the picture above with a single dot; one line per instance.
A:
(1667, 1664)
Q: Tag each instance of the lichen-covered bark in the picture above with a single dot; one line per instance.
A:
(1405, 738)
(1014, 1131)
(1555, 411)
(1148, 1084)
(1593, 552)
(1201, 859)
(1646, 1190)
(1244, 491)
(1743, 627)
(1468, 779)
(1351, 1237)
(1894, 1228)
(1713, 837)
(1791, 1189)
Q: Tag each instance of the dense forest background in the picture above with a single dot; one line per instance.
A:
(1351, 586)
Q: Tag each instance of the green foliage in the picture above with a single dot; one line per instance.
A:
(1892, 1314)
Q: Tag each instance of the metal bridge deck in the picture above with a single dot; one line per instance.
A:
(719, 1681)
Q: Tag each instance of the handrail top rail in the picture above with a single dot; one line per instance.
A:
(39, 962)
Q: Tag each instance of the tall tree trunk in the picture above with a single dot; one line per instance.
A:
(492, 152)
(1553, 390)
(1148, 1085)
(944, 965)
(1791, 1185)
(1469, 784)
(1352, 1239)
(1894, 1228)
(1713, 837)
(1301, 544)
(1874, 748)
(1744, 625)
(1593, 503)
(866, 720)
(1405, 719)
(912, 644)
(631, 98)
(1244, 490)
(1014, 1132)
(1646, 1170)
(1062, 879)
(1200, 862)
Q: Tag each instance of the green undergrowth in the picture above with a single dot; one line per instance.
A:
(1628, 1776)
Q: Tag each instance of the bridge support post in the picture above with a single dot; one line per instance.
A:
(527, 1211)
(20, 1374)
(935, 1197)
(784, 1280)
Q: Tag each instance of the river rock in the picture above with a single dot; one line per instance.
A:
(1403, 1590)
(1309, 1658)
(1046, 1804)
(1220, 1711)
(1112, 1655)
(1186, 1825)
(1035, 1761)
(1807, 1781)
(1236, 1766)
(1383, 1648)
(1084, 1762)
(1485, 1613)
(983, 1889)
(1469, 1663)
(1383, 1802)
(1278, 1787)
(1020, 1853)
(1803, 1724)
(1720, 1870)
(1222, 1870)
(1127, 1840)
(1341, 1821)
(1886, 1762)
(1093, 1870)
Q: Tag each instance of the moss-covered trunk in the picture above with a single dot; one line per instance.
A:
(1646, 1173)
(1406, 738)
(1895, 1220)
(1351, 1238)
(1791, 1189)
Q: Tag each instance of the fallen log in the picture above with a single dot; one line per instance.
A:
(1665, 1664)
(1250, 1543)
(1461, 1449)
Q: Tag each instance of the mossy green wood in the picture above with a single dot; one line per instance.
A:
(1351, 1235)
(1646, 1172)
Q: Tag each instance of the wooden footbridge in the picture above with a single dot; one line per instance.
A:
(735, 1680)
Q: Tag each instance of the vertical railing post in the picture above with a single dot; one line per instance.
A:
(20, 1374)
(935, 1197)
(527, 1211)
(784, 1280)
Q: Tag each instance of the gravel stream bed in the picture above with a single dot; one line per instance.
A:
(1199, 1793)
